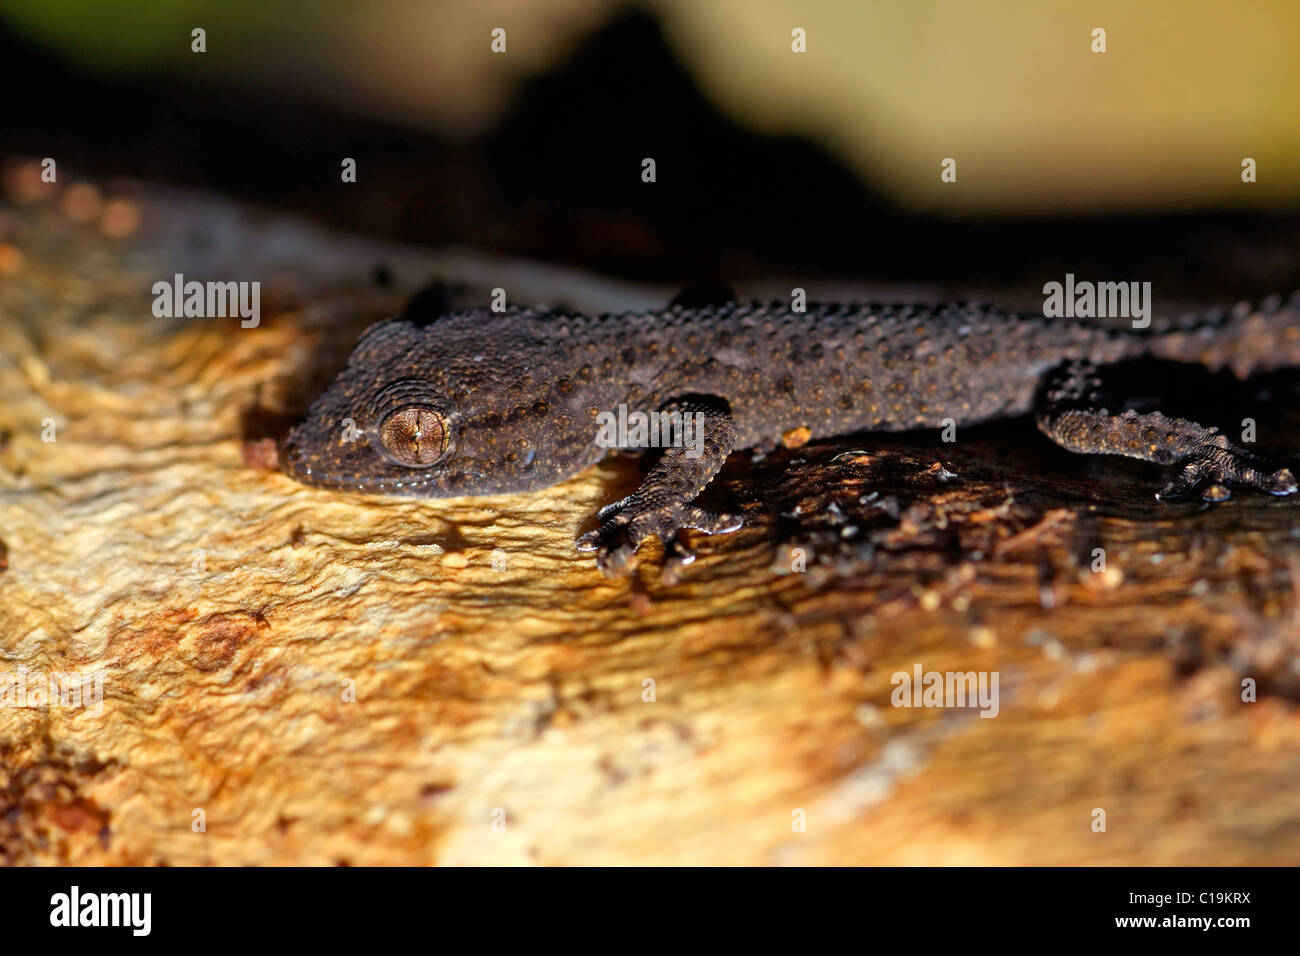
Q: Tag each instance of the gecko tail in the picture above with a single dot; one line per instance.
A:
(1246, 338)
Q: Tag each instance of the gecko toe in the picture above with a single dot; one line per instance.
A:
(612, 553)
(697, 519)
(624, 527)
(1282, 482)
(1223, 467)
(1216, 491)
(613, 508)
(613, 560)
(677, 556)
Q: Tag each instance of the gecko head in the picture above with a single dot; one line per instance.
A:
(451, 409)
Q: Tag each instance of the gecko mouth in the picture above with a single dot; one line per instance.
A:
(295, 463)
(369, 476)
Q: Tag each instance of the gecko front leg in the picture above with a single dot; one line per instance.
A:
(662, 506)
(1073, 411)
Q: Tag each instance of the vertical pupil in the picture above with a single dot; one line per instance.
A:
(414, 435)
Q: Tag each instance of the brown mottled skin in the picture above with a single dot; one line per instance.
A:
(481, 402)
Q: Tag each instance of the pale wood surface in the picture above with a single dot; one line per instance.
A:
(227, 607)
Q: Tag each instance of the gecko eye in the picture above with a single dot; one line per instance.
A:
(414, 436)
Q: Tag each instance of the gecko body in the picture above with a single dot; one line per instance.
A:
(483, 402)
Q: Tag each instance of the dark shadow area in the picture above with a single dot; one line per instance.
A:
(560, 179)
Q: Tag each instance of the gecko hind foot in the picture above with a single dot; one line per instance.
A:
(1072, 407)
(1223, 467)
(625, 524)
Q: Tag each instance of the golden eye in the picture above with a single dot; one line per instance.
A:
(414, 436)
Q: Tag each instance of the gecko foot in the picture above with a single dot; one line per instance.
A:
(625, 524)
(1222, 467)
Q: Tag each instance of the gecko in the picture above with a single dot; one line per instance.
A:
(482, 402)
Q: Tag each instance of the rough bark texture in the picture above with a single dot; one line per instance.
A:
(498, 676)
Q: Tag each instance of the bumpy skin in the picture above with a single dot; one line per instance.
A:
(509, 401)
